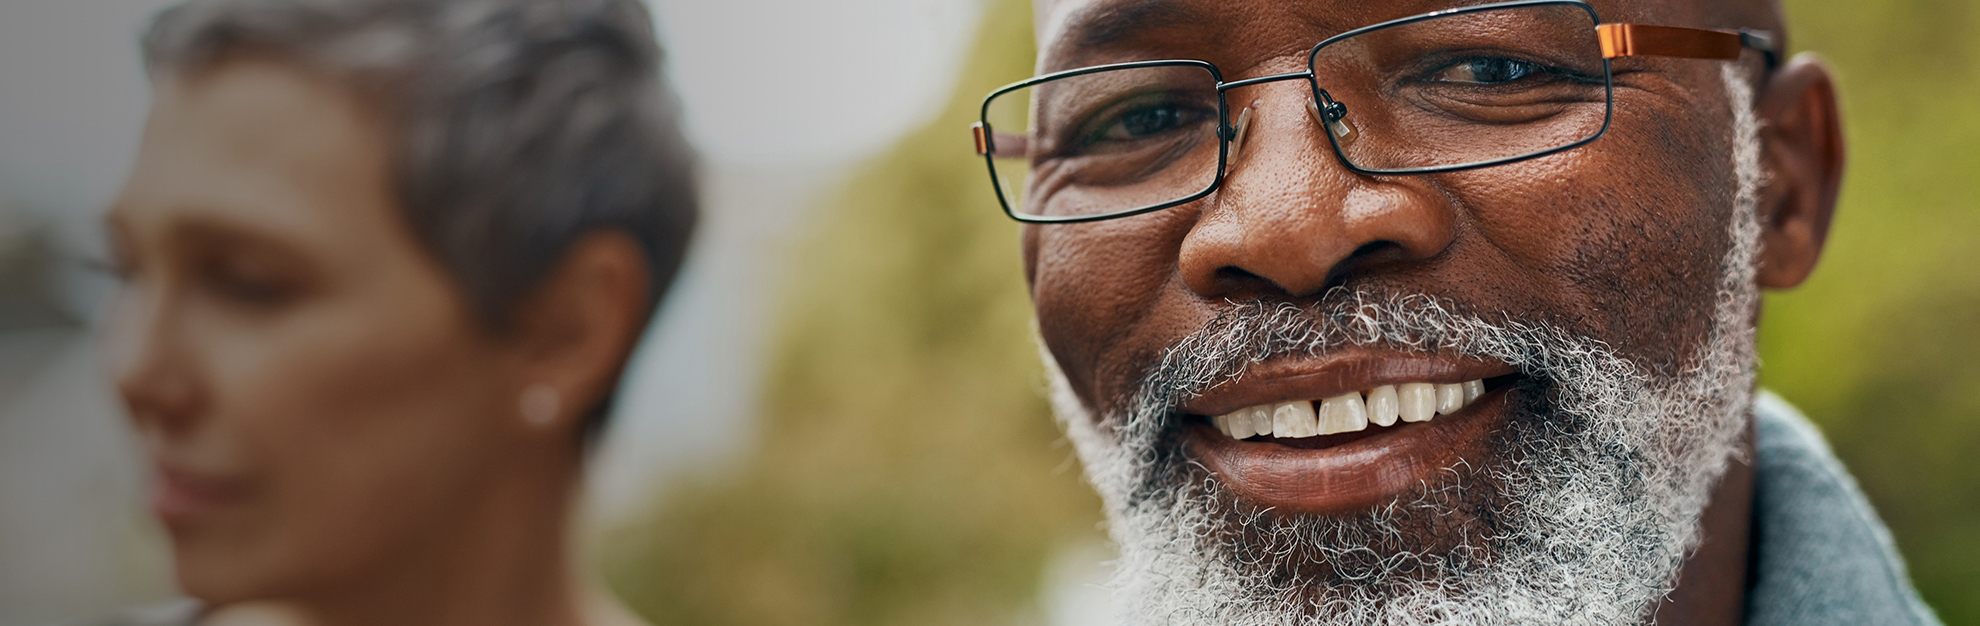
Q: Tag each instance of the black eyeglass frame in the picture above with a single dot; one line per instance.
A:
(1332, 111)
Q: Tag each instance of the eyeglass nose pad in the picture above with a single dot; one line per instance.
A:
(1238, 133)
(1334, 119)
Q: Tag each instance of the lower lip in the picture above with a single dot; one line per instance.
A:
(178, 499)
(1353, 476)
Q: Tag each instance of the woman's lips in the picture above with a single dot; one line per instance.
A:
(179, 496)
(1358, 474)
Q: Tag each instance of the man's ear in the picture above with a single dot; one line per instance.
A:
(571, 336)
(1801, 128)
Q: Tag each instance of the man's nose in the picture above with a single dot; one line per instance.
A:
(144, 353)
(1290, 220)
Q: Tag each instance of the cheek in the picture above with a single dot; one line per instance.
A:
(1609, 242)
(1097, 287)
(356, 410)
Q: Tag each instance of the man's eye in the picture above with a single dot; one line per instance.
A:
(1148, 121)
(1486, 71)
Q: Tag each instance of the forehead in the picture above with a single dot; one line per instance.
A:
(1239, 33)
(260, 142)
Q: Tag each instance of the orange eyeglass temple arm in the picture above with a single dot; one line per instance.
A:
(1633, 40)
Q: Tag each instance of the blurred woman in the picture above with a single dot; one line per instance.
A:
(385, 261)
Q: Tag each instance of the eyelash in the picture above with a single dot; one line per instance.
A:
(251, 291)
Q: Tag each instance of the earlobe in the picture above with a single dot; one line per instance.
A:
(573, 334)
(1804, 155)
(541, 405)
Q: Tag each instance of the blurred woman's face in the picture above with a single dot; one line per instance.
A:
(311, 386)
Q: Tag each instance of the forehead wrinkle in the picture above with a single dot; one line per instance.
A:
(1103, 25)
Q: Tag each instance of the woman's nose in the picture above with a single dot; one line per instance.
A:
(144, 352)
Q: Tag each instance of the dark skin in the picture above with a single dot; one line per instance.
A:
(1620, 240)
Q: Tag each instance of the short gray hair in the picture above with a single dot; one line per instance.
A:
(520, 125)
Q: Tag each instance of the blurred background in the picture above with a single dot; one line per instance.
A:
(837, 418)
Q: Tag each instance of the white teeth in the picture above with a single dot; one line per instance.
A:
(1450, 398)
(1349, 412)
(1237, 424)
(1240, 424)
(1419, 402)
(1384, 406)
(1261, 419)
(1344, 413)
(1246, 424)
(1294, 419)
(1225, 423)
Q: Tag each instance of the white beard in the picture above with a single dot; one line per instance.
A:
(1603, 473)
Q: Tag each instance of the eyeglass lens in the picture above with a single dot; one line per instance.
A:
(1444, 92)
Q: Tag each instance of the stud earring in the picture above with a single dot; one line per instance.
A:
(540, 405)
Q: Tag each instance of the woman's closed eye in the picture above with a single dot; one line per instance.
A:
(249, 281)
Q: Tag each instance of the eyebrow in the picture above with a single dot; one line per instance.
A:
(1111, 23)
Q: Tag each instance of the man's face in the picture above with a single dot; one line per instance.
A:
(1598, 302)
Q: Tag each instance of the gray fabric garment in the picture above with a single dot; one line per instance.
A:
(1821, 555)
(181, 613)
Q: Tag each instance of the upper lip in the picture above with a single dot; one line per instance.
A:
(1315, 378)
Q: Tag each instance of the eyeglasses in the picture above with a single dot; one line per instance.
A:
(1440, 92)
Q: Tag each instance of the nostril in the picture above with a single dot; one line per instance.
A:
(1373, 248)
(1236, 282)
(1364, 257)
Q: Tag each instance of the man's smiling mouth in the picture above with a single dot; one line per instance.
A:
(1351, 412)
(1347, 431)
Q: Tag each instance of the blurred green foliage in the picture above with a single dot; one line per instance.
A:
(1878, 346)
(909, 473)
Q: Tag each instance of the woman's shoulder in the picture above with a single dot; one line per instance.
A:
(183, 613)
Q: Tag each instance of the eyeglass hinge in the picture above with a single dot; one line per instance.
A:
(982, 135)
